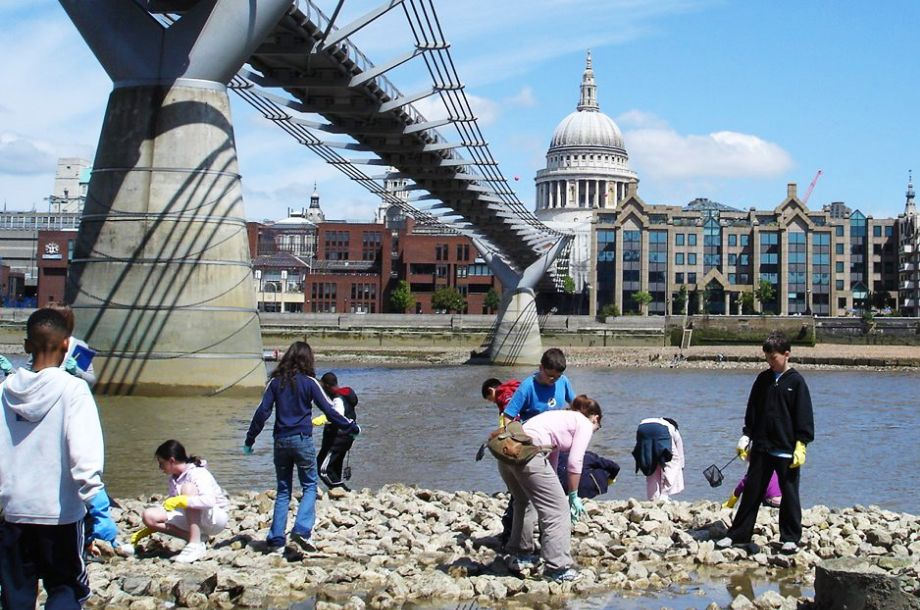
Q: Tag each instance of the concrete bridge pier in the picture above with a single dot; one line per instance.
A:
(517, 335)
(160, 281)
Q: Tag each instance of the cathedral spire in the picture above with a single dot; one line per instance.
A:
(588, 99)
(910, 206)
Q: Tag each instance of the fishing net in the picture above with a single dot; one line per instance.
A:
(713, 475)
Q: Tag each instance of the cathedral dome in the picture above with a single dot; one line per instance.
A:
(586, 128)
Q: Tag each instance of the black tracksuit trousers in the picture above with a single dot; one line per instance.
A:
(790, 510)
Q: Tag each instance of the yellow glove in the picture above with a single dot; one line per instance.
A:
(798, 456)
(141, 534)
(320, 420)
(730, 503)
(175, 502)
(611, 481)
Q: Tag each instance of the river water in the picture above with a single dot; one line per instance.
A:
(423, 425)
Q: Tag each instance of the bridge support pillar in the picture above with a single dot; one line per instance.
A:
(160, 280)
(516, 339)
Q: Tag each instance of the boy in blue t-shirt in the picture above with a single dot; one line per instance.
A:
(545, 390)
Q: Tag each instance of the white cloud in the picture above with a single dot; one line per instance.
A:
(638, 119)
(21, 156)
(485, 110)
(524, 98)
(659, 152)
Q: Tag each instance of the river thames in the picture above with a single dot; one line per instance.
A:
(422, 425)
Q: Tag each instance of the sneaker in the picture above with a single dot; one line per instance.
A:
(789, 548)
(125, 550)
(275, 550)
(562, 575)
(724, 543)
(522, 563)
(192, 552)
(303, 542)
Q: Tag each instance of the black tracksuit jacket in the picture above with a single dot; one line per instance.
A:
(779, 412)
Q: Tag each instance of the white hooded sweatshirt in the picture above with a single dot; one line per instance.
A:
(51, 451)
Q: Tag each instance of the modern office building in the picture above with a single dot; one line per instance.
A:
(909, 249)
(705, 257)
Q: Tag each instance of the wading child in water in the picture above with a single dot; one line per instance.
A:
(196, 508)
(778, 425)
(659, 454)
(291, 391)
(51, 459)
(337, 441)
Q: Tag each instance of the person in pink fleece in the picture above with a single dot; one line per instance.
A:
(538, 494)
(772, 497)
(196, 507)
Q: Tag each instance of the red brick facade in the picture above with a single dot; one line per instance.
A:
(53, 252)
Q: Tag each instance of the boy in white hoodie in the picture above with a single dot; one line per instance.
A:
(51, 458)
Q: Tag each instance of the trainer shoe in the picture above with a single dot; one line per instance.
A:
(303, 542)
(789, 548)
(192, 552)
(275, 550)
(724, 543)
(562, 575)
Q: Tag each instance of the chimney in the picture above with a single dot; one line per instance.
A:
(790, 190)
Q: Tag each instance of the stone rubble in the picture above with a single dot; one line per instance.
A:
(381, 549)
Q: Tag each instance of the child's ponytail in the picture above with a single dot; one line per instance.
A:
(173, 449)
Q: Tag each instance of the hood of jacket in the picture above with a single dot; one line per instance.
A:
(31, 395)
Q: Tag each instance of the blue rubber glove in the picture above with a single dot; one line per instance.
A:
(5, 365)
(70, 365)
(247, 449)
(576, 508)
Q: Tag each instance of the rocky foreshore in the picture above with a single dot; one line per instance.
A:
(399, 544)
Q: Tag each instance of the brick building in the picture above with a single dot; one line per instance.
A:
(55, 250)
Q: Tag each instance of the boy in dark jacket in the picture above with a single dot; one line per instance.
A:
(597, 474)
(778, 425)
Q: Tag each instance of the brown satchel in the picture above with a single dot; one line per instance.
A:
(510, 444)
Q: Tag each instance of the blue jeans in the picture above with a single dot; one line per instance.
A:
(290, 451)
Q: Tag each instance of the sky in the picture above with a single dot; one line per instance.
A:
(718, 99)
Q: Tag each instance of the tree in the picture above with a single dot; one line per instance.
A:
(448, 299)
(764, 293)
(568, 285)
(610, 310)
(401, 298)
(643, 298)
(679, 302)
(747, 302)
(492, 300)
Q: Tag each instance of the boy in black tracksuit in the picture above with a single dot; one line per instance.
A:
(778, 424)
(336, 441)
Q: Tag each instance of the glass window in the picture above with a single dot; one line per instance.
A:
(732, 240)
(731, 278)
(745, 240)
(838, 248)
(691, 239)
(876, 231)
(838, 231)
(679, 258)
(839, 284)
(678, 239)
(691, 258)
(732, 259)
(889, 231)
(679, 278)
(691, 278)
(839, 266)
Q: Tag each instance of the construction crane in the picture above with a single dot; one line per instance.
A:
(811, 187)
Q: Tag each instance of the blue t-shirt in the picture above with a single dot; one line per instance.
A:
(533, 398)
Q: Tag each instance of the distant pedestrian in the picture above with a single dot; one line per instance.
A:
(778, 425)
(290, 392)
(659, 455)
(51, 459)
(196, 508)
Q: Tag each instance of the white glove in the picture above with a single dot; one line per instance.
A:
(744, 447)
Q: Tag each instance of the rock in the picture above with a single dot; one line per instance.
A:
(337, 493)
(741, 603)
(137, 586)
(846, 583)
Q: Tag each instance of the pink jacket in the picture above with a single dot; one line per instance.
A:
(563, 430)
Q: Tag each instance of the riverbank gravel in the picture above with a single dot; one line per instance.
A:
(397, 545)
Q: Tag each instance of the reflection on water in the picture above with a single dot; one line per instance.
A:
(423, 426)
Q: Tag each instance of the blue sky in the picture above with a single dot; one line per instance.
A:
(717, 99)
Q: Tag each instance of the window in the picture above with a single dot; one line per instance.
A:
(839, 284)
(876, 231)
(838, 266)
(691, 278)
(679, 258)
(440, 252)
(838, 231)
(732, 278)
(691, 258)
(732, 240)
(744, 260)
(678, 239)
(745, 240)
(838, 248)
(463, 252)
(678, 278)
(889, 231)
(691, 239)
(733, 259)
